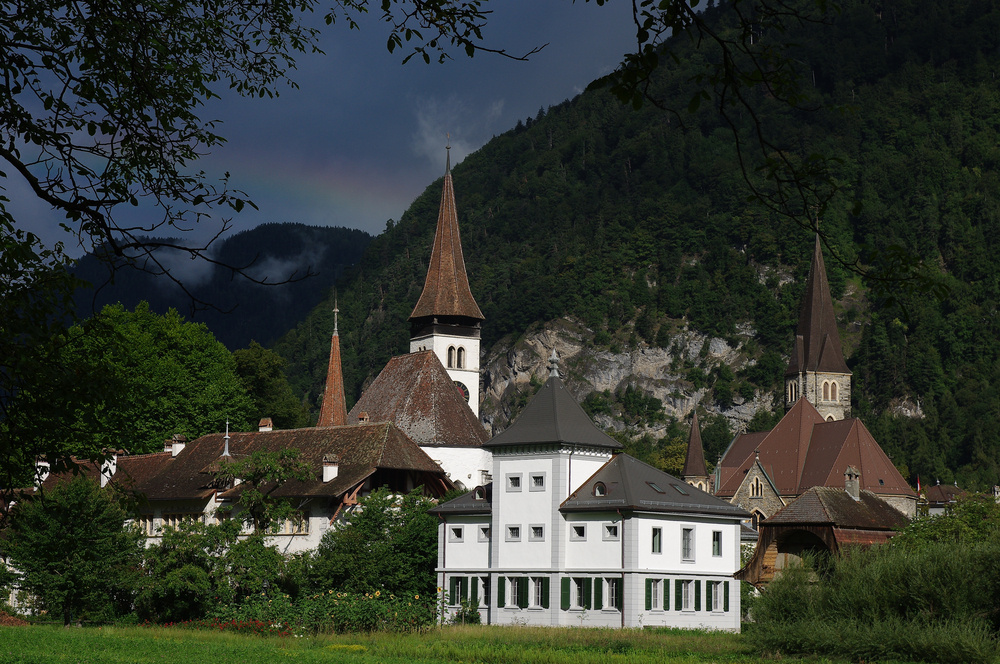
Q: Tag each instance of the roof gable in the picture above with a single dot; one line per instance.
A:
(416, 394)
(832, 506)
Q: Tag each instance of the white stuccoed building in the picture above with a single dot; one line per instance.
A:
(572, 533)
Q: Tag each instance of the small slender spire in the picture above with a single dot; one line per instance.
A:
(694, 462)
(553, 364)
(225, 448)
(447, 163)
(333, 410)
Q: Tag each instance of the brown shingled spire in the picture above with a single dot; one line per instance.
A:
(817, 341)
(333, 411)
(694, 464)
(446, 290)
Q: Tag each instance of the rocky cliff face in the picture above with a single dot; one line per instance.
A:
(661, 372)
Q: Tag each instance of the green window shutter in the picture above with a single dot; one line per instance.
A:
(649, 594)
(522, 592)
(474, 590)
(697, 594)
(565, 593)
(666, 594)
(453, 590)
(621, 594)
(708, 595)
(587, 589)
(545, 592)
(678, 594)
(501, 591)
(598, 593)
(725, 597)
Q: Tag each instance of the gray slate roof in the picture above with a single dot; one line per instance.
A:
(633, 485)
(554, 416)
(468, 503)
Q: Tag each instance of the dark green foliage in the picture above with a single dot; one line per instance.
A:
(73, 553)
(260, 474)
(262, 373)
(389, 545)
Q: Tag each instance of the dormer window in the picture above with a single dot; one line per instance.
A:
(600, 490)
(479, 493)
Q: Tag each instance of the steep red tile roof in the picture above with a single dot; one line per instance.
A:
(694, 463)
(446, 289)
(803, 451)
(817, 341)
(362, 450)
(942, 494)
(828, 505)
(333, 411)
(416, 393)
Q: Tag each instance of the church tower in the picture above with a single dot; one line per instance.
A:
(447, 319)
(695, 471)
(333, 410)
(817, 370)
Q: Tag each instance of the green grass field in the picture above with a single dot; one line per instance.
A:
(487, 645)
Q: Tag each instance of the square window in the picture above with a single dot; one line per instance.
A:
(716, 543)
(687, 544)
(657, 540)
(484, 533)
(578, 532)
(514, 482)
(536, 482)
(536, 533)
(610, 532)
(456, 534)
(513, 533)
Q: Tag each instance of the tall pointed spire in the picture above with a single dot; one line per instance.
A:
(695, 470)
(446, 288)
(333, 411)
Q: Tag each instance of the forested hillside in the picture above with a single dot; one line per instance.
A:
(273, 252)
(630, 221)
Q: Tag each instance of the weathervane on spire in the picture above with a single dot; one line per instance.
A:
(335, 312)
(447, 167)
(553, 365)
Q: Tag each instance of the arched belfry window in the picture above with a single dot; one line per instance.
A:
(826, 391)
(829, 418)
(451, 357)
(793, 391)
(461, 357)
(833, 391)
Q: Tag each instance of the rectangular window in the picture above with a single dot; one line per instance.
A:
(582, 589)
(540, 592)
(458, 590)
(513, 533)
(517, 591)
(717, 543)
(484, 533)
(714, 596)
(536, 533)
(146, 524)
(687, 544)
(578, 532)
(654, 594)
(610, 532)
(614, 587)
(175, 520)
(513, 482)
(685, 595)
(657, 540)
(536, 482)
(456, 533)
(296, 524)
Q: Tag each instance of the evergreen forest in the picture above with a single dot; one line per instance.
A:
(631, 220)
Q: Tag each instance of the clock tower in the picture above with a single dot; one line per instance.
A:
(446, 318)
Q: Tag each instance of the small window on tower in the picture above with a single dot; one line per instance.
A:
(461, 357)
(451, 357)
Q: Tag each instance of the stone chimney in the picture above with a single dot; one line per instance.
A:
(177, 443)
(852, 482)
(331, 467)
(265, 425)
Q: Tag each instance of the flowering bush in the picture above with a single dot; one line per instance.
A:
(334, 612)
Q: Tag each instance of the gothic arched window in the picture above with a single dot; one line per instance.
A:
(451, 357)
(461, 357)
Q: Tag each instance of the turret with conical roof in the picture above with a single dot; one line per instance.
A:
(817, 370)
(446, 318)
(695, 471)
(333, 411)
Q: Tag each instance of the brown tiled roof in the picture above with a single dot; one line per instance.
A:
(817, 341)
(822, 505)
(941, 494)
(333, 411)
(416, 393)
(446, 289)
(804, 450)
(362, 449)
(554, 416)
(630, 484)
(694, 463)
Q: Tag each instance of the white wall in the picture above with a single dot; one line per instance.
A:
(469, 466)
